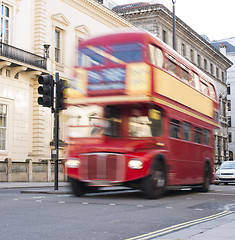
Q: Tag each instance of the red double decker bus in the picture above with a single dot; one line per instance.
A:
(139, 115)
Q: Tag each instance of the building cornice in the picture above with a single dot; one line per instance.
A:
(160, 10)
(99, 12)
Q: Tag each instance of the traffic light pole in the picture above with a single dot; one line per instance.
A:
(56, 138)
(46, 99)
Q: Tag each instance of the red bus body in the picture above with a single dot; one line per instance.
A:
(160, 111)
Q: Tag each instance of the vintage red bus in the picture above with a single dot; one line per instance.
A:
(139, 115)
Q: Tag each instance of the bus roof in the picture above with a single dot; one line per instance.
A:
(143, 36)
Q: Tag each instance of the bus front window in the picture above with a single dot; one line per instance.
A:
(148, 125)
(112, 122)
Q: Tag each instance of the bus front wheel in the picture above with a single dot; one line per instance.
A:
(76, 187)
(154, 185)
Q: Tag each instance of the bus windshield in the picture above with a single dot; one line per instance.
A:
(91, 56)
(95, 121)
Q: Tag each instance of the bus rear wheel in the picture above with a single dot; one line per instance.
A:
(207, 178)
(154, 185)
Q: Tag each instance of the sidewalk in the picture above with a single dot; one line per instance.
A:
(218, 229)
(9, 185)
(38, 187)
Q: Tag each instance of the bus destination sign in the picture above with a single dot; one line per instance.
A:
(106, 79)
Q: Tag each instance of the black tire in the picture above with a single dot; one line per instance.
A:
(206, 179)
(154, 185)
(77, 188)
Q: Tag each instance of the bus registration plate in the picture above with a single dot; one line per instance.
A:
(100, 183)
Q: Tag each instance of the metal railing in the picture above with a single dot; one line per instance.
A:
(22, 56)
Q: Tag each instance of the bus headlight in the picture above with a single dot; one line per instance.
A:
(73, 163)
(135, 163)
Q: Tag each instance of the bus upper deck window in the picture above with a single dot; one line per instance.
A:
(129, 52)
(156, 56)
(212, 92)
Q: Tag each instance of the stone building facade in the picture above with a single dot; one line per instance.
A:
(158, 20)
(29, 30)
(227, 47)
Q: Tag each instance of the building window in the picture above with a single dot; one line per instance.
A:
(164, 36)
(229, 121)
(212, 69)
(3, 127)
(230, 137)
(57, 45)
(205, 64)
(217, 73)
(223, 76)
(228, 89)
(199, 60)
(183, 50)
(191, 55)
(5, 24)
(229, 105)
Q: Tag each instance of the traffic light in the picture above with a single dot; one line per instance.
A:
(60, 95)
(46, 89)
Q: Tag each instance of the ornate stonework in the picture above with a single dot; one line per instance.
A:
(39, 26)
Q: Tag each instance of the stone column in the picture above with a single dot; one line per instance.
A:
(30, 169)
(49, 171)
(9, 169)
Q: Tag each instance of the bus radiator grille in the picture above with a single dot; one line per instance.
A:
(103, 166)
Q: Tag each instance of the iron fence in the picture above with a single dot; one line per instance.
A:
(22, 56)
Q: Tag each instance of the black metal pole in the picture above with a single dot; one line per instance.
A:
(56, 137)
(174, 1)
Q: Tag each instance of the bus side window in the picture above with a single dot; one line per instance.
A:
(186, 131)
(172, 67)
(212, 92)
(156, 122)
(156, 56)
(206, 137)
(191, 78)
(175, 128)
(184, 75)
(197, 135)
(196, 81)
(204, 87)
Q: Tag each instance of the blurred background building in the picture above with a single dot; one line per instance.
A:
(227, 47)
